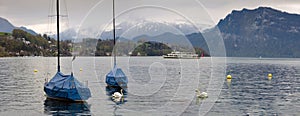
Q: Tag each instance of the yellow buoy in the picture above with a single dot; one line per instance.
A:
(270, 75)
(229, 77)
(35, 70)
(80, 69)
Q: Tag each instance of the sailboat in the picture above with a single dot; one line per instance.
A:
(116, 77)
(65, 87)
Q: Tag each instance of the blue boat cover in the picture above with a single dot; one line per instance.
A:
(66, 87)
(116, 78)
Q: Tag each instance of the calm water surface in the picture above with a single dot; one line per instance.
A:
(157, 86)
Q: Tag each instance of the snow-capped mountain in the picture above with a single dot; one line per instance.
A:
(131, 30)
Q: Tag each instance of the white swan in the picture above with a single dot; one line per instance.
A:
(117, 96)
(201, 95)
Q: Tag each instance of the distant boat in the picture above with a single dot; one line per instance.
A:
(116, 77)
(65, 87)
(181, 55)
(202, 54)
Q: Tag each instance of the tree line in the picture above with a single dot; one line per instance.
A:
(21, 43)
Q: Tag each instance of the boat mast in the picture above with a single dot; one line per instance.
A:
(58, 51)
(114, 33)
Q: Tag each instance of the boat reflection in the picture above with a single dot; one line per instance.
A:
(57, 107)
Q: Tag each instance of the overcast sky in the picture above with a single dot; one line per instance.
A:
(87, 13)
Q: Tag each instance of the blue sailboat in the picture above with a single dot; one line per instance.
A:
(116, 77)
(65, 87)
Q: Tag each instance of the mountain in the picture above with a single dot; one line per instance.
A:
(167, 38)
(133, 29)
(28, 30)
(198, 41)
(260, 32)
(264, 32)
(175, 41)
(7, 27)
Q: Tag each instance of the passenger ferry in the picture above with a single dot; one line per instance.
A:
(181, 55)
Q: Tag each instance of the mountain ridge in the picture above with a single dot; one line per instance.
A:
(7, 27)
(273, 33)
(259, 32)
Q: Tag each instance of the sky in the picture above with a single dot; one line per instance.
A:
(33, 14)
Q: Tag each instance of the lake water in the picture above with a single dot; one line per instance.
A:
(157, 86)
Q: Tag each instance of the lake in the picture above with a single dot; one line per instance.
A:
(156, 86)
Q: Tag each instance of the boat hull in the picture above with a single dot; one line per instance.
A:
(168, 57)
(55, 107)
(68, 94)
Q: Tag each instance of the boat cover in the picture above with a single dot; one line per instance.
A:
(116, 78)
(66, 87)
